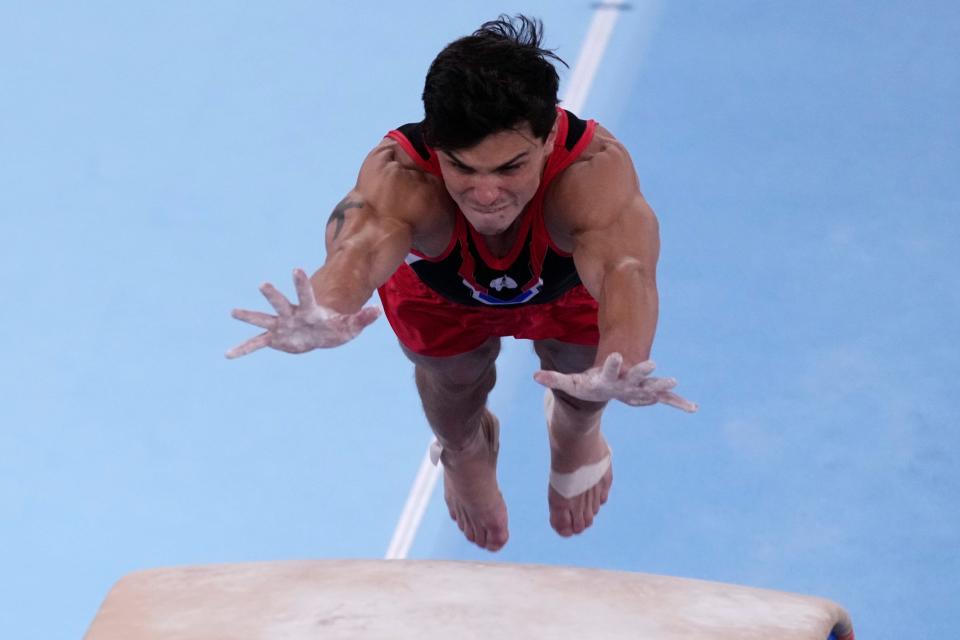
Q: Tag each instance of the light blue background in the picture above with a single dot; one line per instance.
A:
(158, 161)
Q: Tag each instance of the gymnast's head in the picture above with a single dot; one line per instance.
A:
(499, 78)
(490, 103)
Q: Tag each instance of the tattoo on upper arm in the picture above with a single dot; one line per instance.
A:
(340, 213)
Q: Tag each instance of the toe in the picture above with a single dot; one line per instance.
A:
(480, 538)
(468, 530)
(604, 491)
(588, 509)
(578, 522)
(562, 522)
(496, 539)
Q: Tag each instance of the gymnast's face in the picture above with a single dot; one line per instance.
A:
(494, 180)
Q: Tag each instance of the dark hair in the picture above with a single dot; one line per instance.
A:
(494, 80)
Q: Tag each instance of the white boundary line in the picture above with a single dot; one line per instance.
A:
(594, 45)
(415, 507)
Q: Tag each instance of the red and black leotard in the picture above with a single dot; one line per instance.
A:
(535, 271)
(533, 276)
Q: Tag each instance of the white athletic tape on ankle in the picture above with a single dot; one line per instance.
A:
(573, 484)
(435, 451)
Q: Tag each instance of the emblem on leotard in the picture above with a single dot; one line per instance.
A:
(520, 298)
(504, 282)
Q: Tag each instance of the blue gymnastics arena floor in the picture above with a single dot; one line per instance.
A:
(161, 160)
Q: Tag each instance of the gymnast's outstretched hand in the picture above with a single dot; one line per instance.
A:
(301, 327)
(633, 386)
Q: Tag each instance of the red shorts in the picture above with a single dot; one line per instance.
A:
(428, 324)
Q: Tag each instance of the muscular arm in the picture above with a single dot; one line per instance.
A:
(616, 245)
(618, 265)
(365, 242)
(368, 235)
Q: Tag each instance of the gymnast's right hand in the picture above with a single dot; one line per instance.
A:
(301, 327)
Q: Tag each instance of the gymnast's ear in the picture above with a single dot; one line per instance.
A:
(552, 136)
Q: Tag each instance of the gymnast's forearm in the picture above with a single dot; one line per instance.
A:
(629, 308)
(362, 254)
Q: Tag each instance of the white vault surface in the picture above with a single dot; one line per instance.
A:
(401, 599)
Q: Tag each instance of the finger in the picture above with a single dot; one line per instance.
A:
(347, 326)
(249, 346)
(657, 385)
(363, 318)
(554, 380)
(611, 367)
(276, 299)
(262, 320)
(640, 399)
(672, 399)
(304, 288)
(640, 371)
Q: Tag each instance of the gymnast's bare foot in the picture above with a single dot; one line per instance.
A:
(470, 487)
(581, 474)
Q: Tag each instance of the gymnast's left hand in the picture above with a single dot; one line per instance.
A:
(633, 386)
